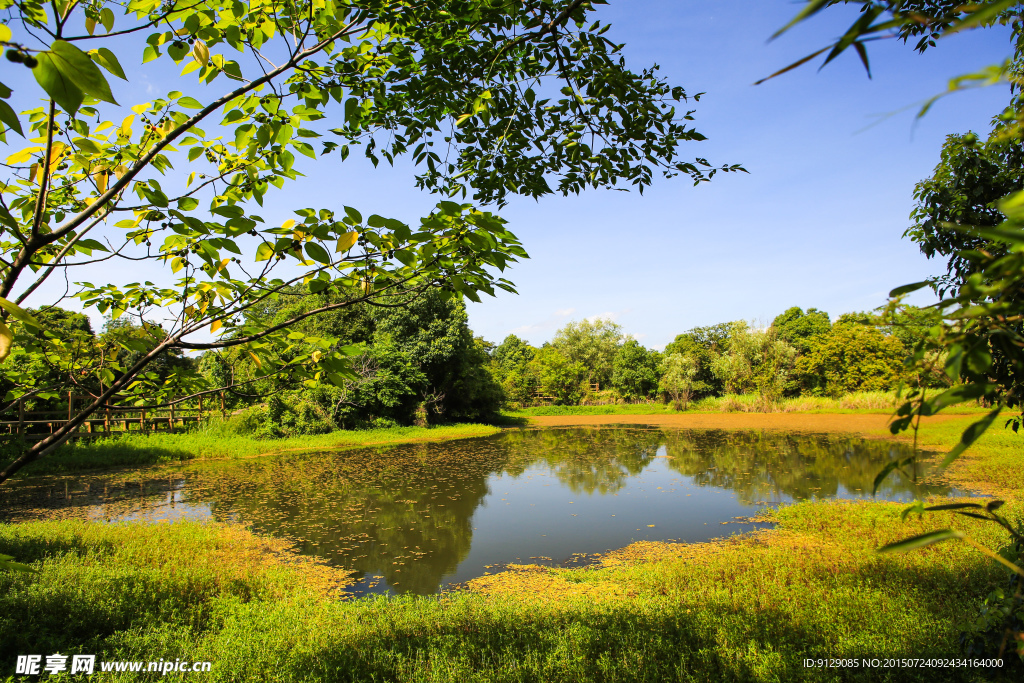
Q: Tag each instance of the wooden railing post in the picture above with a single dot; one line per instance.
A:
(21, 417)
(170, 422)
(223, 410)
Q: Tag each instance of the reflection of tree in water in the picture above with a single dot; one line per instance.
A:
(405, 512)
(401, 512)
(762, 465)
(585, 460)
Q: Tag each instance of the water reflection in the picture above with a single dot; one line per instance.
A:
(412, 518)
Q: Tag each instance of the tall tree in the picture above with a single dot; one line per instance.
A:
(971, 177)
(592, 344)
(433, 331)
(635, 371)
(678, 373)
(704, 344)
(489, 100)
(511, 362)
(797, 328)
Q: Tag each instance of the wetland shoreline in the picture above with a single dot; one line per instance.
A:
(744, 608)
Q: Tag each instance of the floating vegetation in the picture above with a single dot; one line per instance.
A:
(413, 518)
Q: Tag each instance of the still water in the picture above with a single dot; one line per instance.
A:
(415, 518)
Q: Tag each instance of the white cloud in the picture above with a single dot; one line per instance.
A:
(545, 324)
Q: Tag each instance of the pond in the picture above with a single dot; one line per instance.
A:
(416, 518)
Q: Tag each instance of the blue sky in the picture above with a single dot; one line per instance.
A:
(833, 159)
(816, 223)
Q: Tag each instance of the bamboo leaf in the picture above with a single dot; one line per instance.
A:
(915, 542)
(970, 435)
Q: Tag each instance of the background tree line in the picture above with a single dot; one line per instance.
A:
(801, 353)
(421, 364)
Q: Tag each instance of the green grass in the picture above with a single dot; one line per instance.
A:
(216, 441)
(995, 463)
(744, 609)
(861, 402)
(749, 609)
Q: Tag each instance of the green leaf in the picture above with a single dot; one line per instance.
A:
(264, 252)
(200, 52)
(190, 103)
(6, 562)
(10, 118)
(317, 253)
(108, 61)
(906, 289)
(92, 245)
(921, 541)
(957, 394)
(18, 312)
(882, 475)
(981, 13)
(953, 506)
(5, 33)
(970, 435)
(6, 342)
(107, 18)
(812, 8)
(59, 87)
(76, 65)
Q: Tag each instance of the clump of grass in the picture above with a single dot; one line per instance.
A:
(215, 440)
(97, 580)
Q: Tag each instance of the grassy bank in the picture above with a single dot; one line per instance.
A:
(750, 609)
(994, 465)
(743, 609)
(862, 402)
(214, 441)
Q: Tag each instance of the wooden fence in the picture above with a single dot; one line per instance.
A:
(540, 397)
(33, 425)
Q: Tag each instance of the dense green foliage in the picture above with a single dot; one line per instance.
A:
(636, 371)
(799, 354)
(486, 99)
(851, 358)
(414, 363)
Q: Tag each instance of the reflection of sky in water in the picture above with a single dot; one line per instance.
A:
(171, 509)
(413, 518)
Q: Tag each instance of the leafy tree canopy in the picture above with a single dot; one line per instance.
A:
(592, 344)
(964, 189)
(635, 371)
(488, 99)
(852, 357)
(797, 328)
